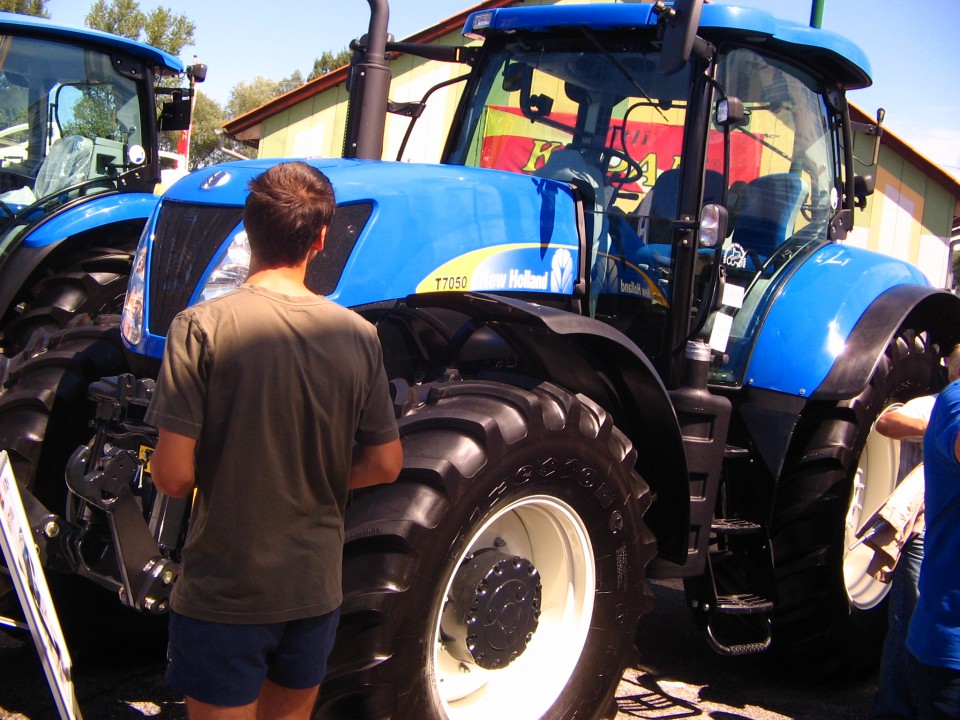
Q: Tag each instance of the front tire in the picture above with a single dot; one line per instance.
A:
(503, 574)
(44, 410)
(93, 284)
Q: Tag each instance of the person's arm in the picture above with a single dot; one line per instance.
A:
(900, 426)
(375, 464)
(172, 464)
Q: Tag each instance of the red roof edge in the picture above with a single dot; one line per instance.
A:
(911, 155)
(335, 77)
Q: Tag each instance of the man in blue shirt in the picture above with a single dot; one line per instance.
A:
(934, 638)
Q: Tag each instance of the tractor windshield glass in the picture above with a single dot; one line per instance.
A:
(608, 123)
(67, 117)
(782, 179)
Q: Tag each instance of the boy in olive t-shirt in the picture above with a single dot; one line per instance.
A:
(272, 402)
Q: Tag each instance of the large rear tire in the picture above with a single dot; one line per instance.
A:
(838, 473)
(503, 574)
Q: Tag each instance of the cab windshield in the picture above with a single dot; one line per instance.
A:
(69, 123)
(595, 111)
(607, 122)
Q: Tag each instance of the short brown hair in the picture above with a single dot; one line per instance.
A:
(287, 207)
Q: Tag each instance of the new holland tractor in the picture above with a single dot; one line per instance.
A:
(625, 339)
(79, 161)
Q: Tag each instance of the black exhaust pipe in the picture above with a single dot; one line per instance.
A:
(369, 86)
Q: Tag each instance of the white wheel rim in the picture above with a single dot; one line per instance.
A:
(875, 479)
(548, 533)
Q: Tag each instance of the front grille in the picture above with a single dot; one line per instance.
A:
(186, 239)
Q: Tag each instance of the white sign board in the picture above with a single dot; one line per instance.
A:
(23, 560)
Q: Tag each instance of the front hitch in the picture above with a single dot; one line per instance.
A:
(141, 574)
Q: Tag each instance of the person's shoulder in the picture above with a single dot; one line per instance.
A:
(919, 406)
(347, 315)
(226, 301)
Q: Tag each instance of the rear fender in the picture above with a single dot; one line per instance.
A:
(923, 308)
(592, 358)
(821, 317)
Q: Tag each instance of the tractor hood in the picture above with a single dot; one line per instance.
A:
(399, 229)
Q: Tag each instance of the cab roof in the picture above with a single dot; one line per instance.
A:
(831, 54)
(14, 24)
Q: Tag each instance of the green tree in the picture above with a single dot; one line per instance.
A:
(160, 27)
(329, 61)
(245, 96)
(207, 141)
(204, 136)
(165, 30)
(94, 113)
(37, 8)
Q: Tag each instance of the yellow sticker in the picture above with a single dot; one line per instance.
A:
(144, 456)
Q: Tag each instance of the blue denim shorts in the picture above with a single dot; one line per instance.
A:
(225, 664)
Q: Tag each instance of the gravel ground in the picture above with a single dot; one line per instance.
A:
(677, 677)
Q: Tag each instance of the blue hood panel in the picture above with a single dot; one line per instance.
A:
(433, 227)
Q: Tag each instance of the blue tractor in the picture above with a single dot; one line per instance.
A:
(626, 341)
(80, 157)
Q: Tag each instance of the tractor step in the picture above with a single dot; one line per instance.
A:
(740, 625)
(734, 527)
(732, 452)
(743, 604)
(743, 648)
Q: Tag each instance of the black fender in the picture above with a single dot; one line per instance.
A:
(587, 356)
(935, 311)
(771, 417)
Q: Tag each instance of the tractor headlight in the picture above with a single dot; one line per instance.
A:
(131, 320)
(232, 270)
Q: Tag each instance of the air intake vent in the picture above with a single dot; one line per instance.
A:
(187, 237)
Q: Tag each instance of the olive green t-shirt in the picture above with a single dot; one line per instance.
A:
(275, 389)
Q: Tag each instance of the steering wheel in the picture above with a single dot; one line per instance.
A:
(634, 170)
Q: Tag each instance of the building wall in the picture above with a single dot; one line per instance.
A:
(909, 216)
(316, 127)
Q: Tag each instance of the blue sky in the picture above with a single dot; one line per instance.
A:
(910, 46)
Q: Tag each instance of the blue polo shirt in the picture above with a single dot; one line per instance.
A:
(935, 627)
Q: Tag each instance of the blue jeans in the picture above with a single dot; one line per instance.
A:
(894, 698)
(937, 692)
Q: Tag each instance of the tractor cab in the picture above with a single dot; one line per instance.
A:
(698, 187)
(78, 117)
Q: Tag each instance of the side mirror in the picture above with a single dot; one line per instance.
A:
(679, 32)
(729, 113)
(175, 113)
(863, 187)
(197, 72)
